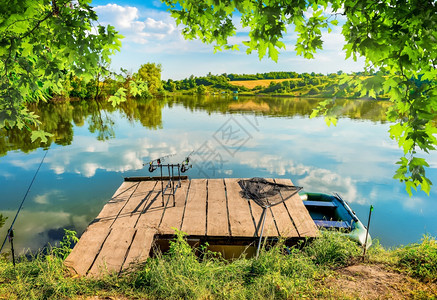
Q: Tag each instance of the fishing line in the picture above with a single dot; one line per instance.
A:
(22, 202)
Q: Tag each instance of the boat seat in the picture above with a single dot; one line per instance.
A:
(320, 203)
(332, 224)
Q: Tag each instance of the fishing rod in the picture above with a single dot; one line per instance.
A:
(158, 161)
(10, 233)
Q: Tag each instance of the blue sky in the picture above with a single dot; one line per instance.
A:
(151, 35)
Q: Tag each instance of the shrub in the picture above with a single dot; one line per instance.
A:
(332, 249)
(420, 259)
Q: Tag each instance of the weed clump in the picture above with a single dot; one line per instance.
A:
(332, 249)
(420, 259)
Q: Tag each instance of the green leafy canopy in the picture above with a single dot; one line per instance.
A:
(41, 43)
(396, 38)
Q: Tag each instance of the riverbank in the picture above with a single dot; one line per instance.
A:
(330, 267)
(288, 85)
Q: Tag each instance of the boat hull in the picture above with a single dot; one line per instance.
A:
(332, 212)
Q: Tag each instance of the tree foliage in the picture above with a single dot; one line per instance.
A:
(41, 43)
(150, 73)
(397, 37)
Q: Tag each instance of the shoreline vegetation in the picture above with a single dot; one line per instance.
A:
(282, 84)
(330, 266)
(147, 83)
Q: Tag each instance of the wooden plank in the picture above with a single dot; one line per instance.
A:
(194, 221)
(131, 211)
(82, 256)
(113, 252)
(218, 220)
(140, 247)
(269, 225)
(153, 211)
(111, 210)
(240, 217)
(173, 214)
(283, 221)
(304, 223)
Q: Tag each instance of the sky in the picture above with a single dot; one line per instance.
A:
(151, 35)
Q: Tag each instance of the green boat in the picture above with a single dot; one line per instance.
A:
(332, 212)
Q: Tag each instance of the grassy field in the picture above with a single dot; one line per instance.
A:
(250, 84)
(329, 267)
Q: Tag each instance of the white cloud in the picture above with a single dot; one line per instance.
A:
(327, 181)
(48, 197)
(41, 199)
(152, 33)
(88, 169)
(127, 21)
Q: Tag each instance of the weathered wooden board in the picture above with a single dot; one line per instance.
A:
(153, 211)
(194, 221)
(113, 252)
(173, 214)
(217, 218)
(86, 250)
(130, 213)
(283, 221)
(111, 210)
(302, 220)
(240, 216)
(140, 247)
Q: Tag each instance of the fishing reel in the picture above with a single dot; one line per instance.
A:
(185, 166)
(153, 167)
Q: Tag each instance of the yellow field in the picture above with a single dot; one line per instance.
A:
(250, 84)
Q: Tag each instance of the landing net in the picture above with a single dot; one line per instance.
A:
(267, 193)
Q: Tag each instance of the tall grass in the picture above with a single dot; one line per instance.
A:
(420, 259)
(332, 249)
(180, 274)
(279, 273)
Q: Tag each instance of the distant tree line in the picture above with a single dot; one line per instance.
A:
(147, 83)
(201, 85)
(299, 84)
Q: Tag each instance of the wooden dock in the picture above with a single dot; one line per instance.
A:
(124, 231)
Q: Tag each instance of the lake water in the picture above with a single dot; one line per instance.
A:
(94, 146)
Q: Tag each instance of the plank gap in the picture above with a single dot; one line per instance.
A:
(206, 209)
(146, 200)
(185, 205)
(257, 227)
(136, 187)
(98, 252)
(227, 208)
(163, 211)
(127, 252)
(274, 221)
(289, 214)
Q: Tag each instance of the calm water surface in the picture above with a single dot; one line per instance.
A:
(94, 146)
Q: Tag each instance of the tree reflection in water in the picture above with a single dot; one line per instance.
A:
(59, 118)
